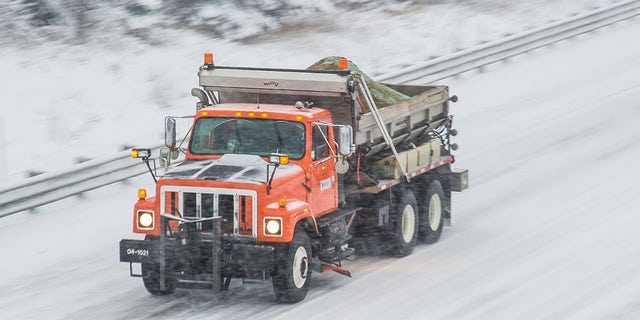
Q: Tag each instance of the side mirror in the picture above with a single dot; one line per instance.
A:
(170, 132)
(166, 155)
(345, 138)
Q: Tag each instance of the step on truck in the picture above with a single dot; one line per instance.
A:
(286, 172)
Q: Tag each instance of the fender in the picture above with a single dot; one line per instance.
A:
(148, 204)
(292, 213)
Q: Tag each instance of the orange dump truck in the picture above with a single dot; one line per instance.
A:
(285, 171)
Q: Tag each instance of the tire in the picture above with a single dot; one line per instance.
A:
(433, 210)
(405, 225)
(293, 270)
(151, 278)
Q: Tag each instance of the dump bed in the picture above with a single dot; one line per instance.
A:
(342, 92)
(426, 110)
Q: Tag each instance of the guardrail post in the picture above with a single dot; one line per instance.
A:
(4, 170)
(81, 159)
(33, 173)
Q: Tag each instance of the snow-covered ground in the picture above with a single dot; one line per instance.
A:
(60, 103)
(547, 230)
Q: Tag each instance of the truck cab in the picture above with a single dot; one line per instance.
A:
(301, 135)
(234, 146)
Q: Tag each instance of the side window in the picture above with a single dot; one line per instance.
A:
(319, 148)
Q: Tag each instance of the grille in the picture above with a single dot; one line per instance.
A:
(238, 208)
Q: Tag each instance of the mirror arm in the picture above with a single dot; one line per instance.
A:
(146, 161)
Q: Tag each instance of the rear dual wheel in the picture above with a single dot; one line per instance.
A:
(411, 222)
(432, 213)
(405, 225)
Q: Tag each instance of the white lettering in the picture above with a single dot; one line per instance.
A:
(325, 184)
(138, 252)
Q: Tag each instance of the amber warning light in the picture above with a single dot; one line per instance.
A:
(278, 159)
(141, 153)
(343, 64)
(208, 58)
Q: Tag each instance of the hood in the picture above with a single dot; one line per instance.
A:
(229, 168)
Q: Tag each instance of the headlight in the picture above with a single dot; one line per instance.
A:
(145, 220)
(273, 227)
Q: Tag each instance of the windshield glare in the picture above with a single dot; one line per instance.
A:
(214, 136)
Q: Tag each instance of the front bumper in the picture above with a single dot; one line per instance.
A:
(140, 251)
(184, 259)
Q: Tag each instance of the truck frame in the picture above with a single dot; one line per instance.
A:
(286, 173)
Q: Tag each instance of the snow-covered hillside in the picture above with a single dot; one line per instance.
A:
(73, 90)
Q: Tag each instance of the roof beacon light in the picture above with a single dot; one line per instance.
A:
(208, 58)
(343, 64)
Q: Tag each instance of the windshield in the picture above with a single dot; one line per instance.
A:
(261, 137)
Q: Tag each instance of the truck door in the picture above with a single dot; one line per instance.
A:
(324, 185)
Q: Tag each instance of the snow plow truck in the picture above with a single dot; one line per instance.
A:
(286, 172)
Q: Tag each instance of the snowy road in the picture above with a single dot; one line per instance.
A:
(547, 230)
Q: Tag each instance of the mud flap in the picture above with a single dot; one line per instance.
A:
(330, 267)
(458, 179)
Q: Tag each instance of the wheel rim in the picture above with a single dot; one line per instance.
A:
(300, 267)
(408, 223)
(435, 212)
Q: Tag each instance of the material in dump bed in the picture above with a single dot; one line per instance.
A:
(383, 95)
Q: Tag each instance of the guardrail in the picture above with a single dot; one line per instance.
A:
(491, 52)
(83, 177)
(93, 174)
